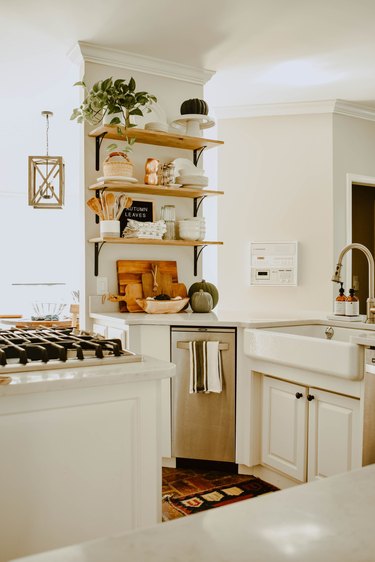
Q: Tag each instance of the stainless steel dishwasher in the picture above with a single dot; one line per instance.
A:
(203, 425)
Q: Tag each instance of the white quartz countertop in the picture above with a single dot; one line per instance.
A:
(215, 318)
(78, 377)
(238, 319)
(331, 520)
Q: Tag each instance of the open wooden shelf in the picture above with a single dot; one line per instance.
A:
(143, 136)
(197, 245)
(172, 140)
(151, 241)
(154, 189)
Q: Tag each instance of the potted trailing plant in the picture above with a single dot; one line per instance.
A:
(112, 97)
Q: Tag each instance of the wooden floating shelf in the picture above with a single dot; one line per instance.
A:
(152, 241)
(197, 245)
(154, 190)
(143, 136)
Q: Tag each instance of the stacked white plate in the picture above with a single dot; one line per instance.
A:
(193, 181)
(192, 229)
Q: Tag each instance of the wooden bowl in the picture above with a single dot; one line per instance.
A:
(162, 307)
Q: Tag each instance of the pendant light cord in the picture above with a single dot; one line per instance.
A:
(47, 127)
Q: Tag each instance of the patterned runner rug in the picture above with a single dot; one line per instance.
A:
(218, 496)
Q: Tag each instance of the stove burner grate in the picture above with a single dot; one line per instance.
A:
(26, 345)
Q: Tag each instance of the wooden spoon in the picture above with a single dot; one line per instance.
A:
(94, 205)
(123, 202)
(110, 201)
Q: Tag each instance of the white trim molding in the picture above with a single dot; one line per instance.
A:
(340, 107)
(89, 52)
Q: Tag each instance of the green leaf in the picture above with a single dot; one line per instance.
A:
(111, 147)
(80, 83)
(115, 121)
(132, 84)
(107, 83)
(136, 111)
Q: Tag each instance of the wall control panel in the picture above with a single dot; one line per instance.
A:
(273, 263)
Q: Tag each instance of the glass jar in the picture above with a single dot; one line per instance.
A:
(168, 214)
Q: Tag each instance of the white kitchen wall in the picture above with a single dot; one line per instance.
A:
(353, 153)
(171, 93)
(285, 178)
(37, 245)
(276, 173)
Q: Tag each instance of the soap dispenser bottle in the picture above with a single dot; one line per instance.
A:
(352, 304)
(340, 302)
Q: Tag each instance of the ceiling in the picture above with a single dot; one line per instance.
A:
(263, 51)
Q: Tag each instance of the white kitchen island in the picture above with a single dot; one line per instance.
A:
(80, 454)
(330, 520)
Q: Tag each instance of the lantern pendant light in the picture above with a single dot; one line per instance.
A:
(46, 177)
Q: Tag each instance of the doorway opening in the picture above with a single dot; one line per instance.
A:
(362, 228)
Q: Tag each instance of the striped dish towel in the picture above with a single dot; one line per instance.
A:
(205, 367)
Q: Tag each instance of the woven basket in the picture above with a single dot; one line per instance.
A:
(117, 164)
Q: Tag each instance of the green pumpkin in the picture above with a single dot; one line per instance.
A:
(201, 301)
(194, 106)
(207, 288)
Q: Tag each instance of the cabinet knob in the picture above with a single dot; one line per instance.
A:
(310, 397)
(299, 395)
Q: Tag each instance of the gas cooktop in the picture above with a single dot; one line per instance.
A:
(55, 348)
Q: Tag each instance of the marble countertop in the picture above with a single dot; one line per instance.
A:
(79, 377)
(330, 520)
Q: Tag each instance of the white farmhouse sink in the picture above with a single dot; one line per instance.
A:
(306, 347)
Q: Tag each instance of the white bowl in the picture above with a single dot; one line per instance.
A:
(191, 226)
(187, 236)
(157, 126)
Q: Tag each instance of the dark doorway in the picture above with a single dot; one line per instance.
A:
(363, 231)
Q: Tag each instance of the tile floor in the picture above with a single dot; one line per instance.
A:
(183, 481)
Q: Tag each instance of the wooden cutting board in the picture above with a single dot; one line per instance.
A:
(133, 291)
(178, 290)
(130, 271)
(158, 284)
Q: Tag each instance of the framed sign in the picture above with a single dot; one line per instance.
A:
(141, 210)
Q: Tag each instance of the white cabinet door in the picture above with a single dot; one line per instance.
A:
(118, 333)
(334, 434)
(284, 427)
(155, 341)
(100, 329)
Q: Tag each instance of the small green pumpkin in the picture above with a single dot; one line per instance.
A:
(207, 288)
(201, 301)
(194, 106)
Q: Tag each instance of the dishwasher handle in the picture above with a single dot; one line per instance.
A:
(185, 345)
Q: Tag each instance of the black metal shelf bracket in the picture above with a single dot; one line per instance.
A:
(197, 253)
(197, 153)
(197, 202)
(98, 247)
(98, 144)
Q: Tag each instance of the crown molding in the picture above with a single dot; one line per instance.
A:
(340, 107)
(352, 109)
(89, 52)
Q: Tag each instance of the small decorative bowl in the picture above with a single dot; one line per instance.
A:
(152, 306)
